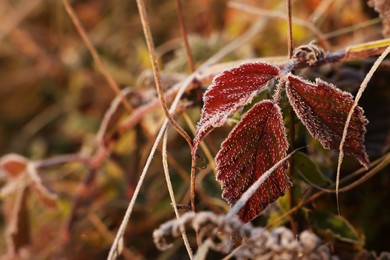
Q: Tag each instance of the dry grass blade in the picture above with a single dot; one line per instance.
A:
(171, 192)
(379, 165)
(290, 45)
(362, 87)
(183, 31)
(280, 15)
(94, 54)
(156, 72)
(119, 236)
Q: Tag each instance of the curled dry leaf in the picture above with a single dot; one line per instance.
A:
(323, 109)
(255, 144)
(230, 91)
(20, 172)
(13, 165)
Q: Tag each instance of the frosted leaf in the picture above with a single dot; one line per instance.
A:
(231, 90)
(254, 145)
(323, 109)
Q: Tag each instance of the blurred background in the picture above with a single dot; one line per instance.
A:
(53, 98)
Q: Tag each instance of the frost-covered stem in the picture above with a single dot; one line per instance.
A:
(278, 90)
(362, 87)
(156, 72)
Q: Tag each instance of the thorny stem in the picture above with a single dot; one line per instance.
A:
(95, 55)
(153, 58)
(278, 90)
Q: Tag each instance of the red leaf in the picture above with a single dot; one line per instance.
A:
(231, 90)
(323, 109)
(254, 145)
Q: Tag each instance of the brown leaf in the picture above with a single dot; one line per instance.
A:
(323, 109)
(230, 91)
(255, 144)
(13, 164)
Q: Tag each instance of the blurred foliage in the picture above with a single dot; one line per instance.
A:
(53, 98)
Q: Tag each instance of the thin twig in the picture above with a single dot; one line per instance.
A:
(203, 146)
(362, 87)
(171, 192)
(183, 32)
(94, 54)
(119, 236)
(290, 46)
(352, 28)
(156, 72)
(380, 165)
(282, 16)
(206, 71)
(61, 159)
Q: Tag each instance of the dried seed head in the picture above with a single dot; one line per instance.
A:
(309, 53)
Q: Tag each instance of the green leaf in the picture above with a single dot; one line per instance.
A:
(308, 171)
(334, 227)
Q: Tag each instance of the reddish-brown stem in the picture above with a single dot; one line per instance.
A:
(293, 224)
(95, 55)
(183, 31)
(156, 72)
(192, 185)
(289, 31)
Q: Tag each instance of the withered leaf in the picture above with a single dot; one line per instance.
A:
(323, 109)
(231, 90)
(254, 145)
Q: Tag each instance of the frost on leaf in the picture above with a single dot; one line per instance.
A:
(231, 90)
(323, 109)
(254, 145)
